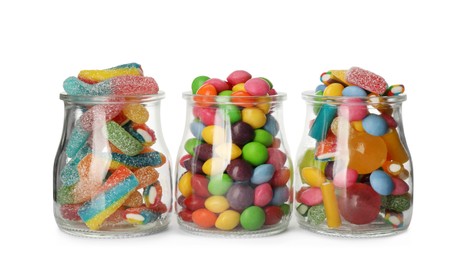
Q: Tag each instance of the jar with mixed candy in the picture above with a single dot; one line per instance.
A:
(234, 169)
(354, 172)
(112, 175)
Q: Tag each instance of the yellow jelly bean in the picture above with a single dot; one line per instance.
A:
(313, 176)
(227, 220)
(214, 166)
(214, 134)
(185, 184)
(263, 103)
(228, 151)
(334, 89)
(254, 117)
(238, 87)
(217, 204)
(136, 113)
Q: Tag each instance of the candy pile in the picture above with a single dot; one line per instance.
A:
(234, 169)
(358, 169)
(110, 174)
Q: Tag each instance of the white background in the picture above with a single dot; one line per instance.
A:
(424, 45)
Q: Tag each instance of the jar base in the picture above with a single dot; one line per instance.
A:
(235, 233)
(354, 231)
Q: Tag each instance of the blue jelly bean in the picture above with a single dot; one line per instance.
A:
(322, 123)
(320, 87)
(77, 139)
(381, 182)
(354, 91)
(375, 125)
(262, 173)
(281, 195)
(271, 125)
(196, 127)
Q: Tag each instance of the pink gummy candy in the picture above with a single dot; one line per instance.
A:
(366, 80)
(133, 85)
(98, 115)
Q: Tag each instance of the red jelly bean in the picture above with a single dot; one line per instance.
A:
(273, 215)
(359, 204)
(194, 202)
(280, 177)
(186, 215)
(200, 185)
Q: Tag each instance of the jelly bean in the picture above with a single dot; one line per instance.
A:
(353, 109)
(271, 125)
(204, 218)
(328, 171)
(252, 218)
(255, 153)
(390, 120)
(359, 204)
(281, 177)
(366, 80)
(366, 153)
(77, 140)
(98, 115)
(214, 134)
(263, 103)
(205, 95)
(239, 170)
(242, 133)
(395, 90)
(240, 196)
(400, 187)
(281, 195)
(123, 140)
(136, 113)
(194, 202)
(185, 184)
(397, 203)
(200, 185)
(214, 166)
(228, 151)
(238, 87)
(207, 115)
(224, 96)
(152, 194)
(190, 145)
(320, 87)
(263, 195)
(196, 128)
(120, 86)
(273, 215)
(322, 124)
(219, 84)
(134, 200)
(313, 176)
(243, 99)
(232, 112)
(330, 203)
(95, 76)
(140, 216)
(286, 209)
(394, 218)
(333, 89)
(216, 204)
(263, 137)
(354, 91)
(276, 157)
(193, 165)
(375, 125)
(146, 176)
(262, 173)
(227, 220)
(257, 87)
(310, 196)
(316, 214)
(219, 184)
(345, 178)
(185, 215)
(198, 82)
(381, 182)
(238, 76)
(203, 151)
(254, 117)
(395, 149)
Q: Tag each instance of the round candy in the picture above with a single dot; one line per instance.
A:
(273, 215)
(238, 87)
(268, 82)
(255, 153)
(345, 178)
(190, 145)
(354, 91)
(375, 125)
(257, 87)
(213, 134)
(232, 112)
(203, 151)
(254, 117)
(281, 177)
(196, 127)
(219, 184)
(271, 125)
(185, 215)
(239, 170)
(238, 76)
(205, 95)
(228, 151)
(320, 87)
(219, 84)
(359, 204)
(276, 157)
(227, 220)
(262, 173)
(381, 182)
(366, 153)
(214, 166)
(252, 218)
(242, 98)
(242, 133)
(200, 185)
(353, 109)
(263, 103)
(193, 165)
(240, 196)
(263, 137)
(310, 196)
(207, 115)
(333, 89)
(281, 195)
(216, 204)
(184, 185)
(198, 82)
(204, 218)
(263, 195)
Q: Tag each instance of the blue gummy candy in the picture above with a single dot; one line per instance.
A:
(69, 174)
(77, 139)
(322, 123)
(140, 160)
(74, 86)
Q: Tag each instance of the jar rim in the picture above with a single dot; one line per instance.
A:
(111, 99)
(231, 100)
(311, 97)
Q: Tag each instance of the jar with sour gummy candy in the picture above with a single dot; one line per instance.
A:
(233, 170)
(354, 175)
(112, 174)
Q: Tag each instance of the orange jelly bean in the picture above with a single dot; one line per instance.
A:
(205, 95)
(366, 153)
(243, 99)
(204, 218)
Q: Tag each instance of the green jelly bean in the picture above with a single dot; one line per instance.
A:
(286, 208)
(198, 82)
(219, 184)
(268, 82)
(252, 218)
(190, 145)
(255, 153)
(263, 137)
(232, 112)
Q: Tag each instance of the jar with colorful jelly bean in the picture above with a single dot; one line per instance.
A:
(112, 174)
(354, 175)
(233, 174)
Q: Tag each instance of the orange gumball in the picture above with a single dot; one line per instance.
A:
(205, 95)
(204, 218)
(243, 99)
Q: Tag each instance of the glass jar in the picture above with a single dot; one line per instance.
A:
(112, 175)
(354, 172)
(233, 174)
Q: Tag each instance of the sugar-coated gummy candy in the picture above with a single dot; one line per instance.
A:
(367, 80)
(134, 200)
(219, 184)
(136, 112)
(227, 220)
(140, 215)
(263, 195)
(120, 85)
(98, 115)
(252, 218)
(69, 175)
(95, 76)
(122, 139)
(152, 194)
(146, 176)
(262, 174)
(77, 140)
(316, 214)
(240, 196)
(397, 203)
(151, 158)
(359, 204)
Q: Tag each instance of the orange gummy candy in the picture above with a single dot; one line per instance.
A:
(366, 153)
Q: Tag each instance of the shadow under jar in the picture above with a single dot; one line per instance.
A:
(354, 171)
